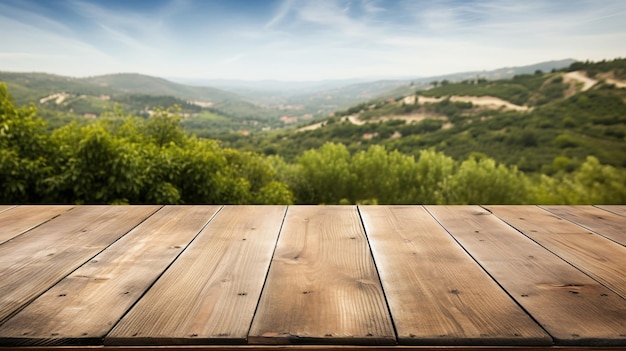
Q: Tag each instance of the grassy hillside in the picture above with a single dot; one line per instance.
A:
(131, 160)
(135, 94)
(330, 100)
(535, 89)
(553, 138)
(137, 83)
(549, 124)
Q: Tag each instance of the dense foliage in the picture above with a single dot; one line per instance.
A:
(126, 159)
(562, 122)
(527, 89)
(617, 67)
(61, 100)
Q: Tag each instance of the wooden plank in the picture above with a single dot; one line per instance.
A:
(210, 293)
(572, 307)
(304, 347)
(438, 295)
(602, 259)
(322, 286)
(6, 207)
(20, 219)
(607, 224)
(617, 209)
(33, 262)
(82, 308)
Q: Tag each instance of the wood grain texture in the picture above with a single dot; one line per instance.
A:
(602, 259)
(305, 347)
(607, 224)
(6, 207)
(322, 286)
(210, 293)
(83, 307)
(33, 262)
(572, 307)
(617, 209)
(17, 220)
(438, 295)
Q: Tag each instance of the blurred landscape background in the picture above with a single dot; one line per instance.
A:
(370, 102)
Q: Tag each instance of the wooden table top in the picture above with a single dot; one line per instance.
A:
(313, 277)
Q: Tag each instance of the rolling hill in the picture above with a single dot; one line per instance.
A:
(540, 122)
(414, 121)
(322, 97)
(557, 137)
(234, 106)
(61, 98)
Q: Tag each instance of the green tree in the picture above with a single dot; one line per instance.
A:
(103, 169)
(23, 151)
(480, 181)
(434, 170)
(325, 175)
(383, 177)
(600, 184)
(163, 127)
(274, 193)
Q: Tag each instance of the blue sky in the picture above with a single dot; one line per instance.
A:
(303, 39)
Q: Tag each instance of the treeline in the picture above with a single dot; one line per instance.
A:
(617, 66)
(525, 89)
(331, 174)
(590, 123)
(126, 159)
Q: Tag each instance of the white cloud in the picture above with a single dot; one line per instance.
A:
(283, 11)
(371, 7)
(33, 48)
(303, 39)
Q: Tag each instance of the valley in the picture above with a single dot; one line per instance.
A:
(434, 112)
(527, 121)
(541, 137)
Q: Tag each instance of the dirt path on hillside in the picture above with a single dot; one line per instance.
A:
(413, 117)
(58, 98)
(312, 127)
(489, 101)
(354, 120)
(485, 101)
(579, 76)
(617, 83)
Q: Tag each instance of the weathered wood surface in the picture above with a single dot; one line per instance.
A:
(322, 286)
(617, 209)
(6, 207)
(32, 263)
(437, 294)
(210, 293)
(607, 224)
(331, 277)
(16, 221)
(602, 259)
(83, 307)
(572, 307)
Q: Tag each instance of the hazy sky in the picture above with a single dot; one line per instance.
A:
(303, 39)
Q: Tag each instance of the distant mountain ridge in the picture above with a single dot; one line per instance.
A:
(389, 88)
(329, 94)
(139, 83)
(545, 122)
(32, 87)
(120, 83)
(252, 105)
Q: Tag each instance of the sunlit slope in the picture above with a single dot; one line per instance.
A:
(540, 122)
